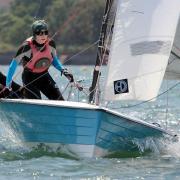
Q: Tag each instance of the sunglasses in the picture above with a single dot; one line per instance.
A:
(40, 33)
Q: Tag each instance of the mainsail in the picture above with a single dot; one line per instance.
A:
(141, 45)
(173, 68)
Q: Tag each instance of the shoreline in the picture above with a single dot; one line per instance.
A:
(66, 59)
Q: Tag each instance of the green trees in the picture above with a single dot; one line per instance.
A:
(75, 23)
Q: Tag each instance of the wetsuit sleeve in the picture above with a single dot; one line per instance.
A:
(57, 63)
(11, 71)
(23, 51)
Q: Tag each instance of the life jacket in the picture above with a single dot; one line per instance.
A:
(41, 60)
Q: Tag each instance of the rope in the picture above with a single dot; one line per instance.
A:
(65, 88)
(103, 56)
(138, 104)
(167, 105)
(79, 53)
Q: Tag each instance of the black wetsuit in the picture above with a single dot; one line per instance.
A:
(37, 82)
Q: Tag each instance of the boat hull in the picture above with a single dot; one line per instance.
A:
(76, 128)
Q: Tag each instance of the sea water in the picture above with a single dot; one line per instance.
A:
(17, 163)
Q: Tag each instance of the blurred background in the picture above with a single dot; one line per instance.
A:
(74, 25)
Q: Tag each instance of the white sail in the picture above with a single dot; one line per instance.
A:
(141, 44)
(173, 68)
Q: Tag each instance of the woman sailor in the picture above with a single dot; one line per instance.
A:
(37, 53)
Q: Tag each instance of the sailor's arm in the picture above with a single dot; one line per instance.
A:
(11, 71)
(57, 63)
(24, 50)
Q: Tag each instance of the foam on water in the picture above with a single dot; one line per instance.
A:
(172, 148)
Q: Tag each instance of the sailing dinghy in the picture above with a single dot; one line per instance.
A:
(137, 36)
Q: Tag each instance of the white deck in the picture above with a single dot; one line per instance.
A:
(52, 103)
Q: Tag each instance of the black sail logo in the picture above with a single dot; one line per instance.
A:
(121, 86)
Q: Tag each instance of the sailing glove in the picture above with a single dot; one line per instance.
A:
(68, 75)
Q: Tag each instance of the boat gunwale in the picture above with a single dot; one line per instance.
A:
(81, 105)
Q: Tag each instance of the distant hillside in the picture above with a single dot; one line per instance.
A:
(74, 25)
(67, 59)
(5, 3)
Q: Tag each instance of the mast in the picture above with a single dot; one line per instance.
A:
(99, 58)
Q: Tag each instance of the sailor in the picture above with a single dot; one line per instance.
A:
(16, 90)
(36, 54)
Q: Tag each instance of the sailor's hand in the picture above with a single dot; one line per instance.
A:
(7, 89)
(5, 92)
(77, 85)
(21, 90)
(68, 75)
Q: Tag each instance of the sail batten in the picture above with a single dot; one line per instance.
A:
(141, 44)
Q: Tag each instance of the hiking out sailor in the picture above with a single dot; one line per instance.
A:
(36, 54)
(16, 90)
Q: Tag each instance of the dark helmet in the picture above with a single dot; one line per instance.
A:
(38, 26)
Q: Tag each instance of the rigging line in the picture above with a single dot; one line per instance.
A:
(172, 87)
(25, 86)
(84, 50)
(174, 59)
(69, 94)
(167, 105)
(169, 63)
(105, 18)
(65, 88)
(176, 47)
(101, 49)
(172, 52)
(72, 15)
(2, 90)
(32, 93)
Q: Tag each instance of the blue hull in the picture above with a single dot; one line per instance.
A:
(85, 127)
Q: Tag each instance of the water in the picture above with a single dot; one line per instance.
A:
(17, 163)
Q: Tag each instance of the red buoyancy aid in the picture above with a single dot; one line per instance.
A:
(41, 60)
